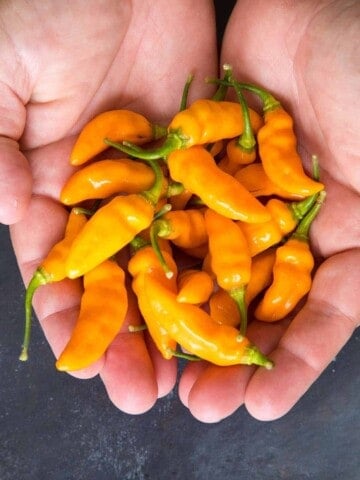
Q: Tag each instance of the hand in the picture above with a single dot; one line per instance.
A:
(306, 54)
(64, 64)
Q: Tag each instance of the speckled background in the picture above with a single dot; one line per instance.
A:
(55, 427)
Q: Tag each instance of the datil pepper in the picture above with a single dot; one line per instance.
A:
(145, 262)
(103, 310)
(51, 269)
(230, 259)
(117, 125)
(194, 330)
(196, 169)
(105, 178)
(277, 145)
(291, 272)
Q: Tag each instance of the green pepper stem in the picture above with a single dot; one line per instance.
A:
(238, 294)
(159, 228)
(154, 193)
(40, 277)
(173, 141)
(221, 92)
(300, 209)
(254, 356)
(269, 101)
(303, 229)
(185, 356)
(158, 131)
(174, 188)
(246, 140)
(185, 93)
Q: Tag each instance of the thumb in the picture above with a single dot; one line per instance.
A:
(15, 182)
(15, 173)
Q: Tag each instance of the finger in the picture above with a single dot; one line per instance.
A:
(128, 373)
(214, 392)
(165, 370)
(313, 339)
(15, 182)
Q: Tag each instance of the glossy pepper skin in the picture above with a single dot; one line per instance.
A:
(292, 270)
(111, 227)
(230, 258)
(196, 169)
(208, 121)
(103, 310)
(292, 281)
(278, 152)
(194, 286)
(284, 219)
(254, 179)
(143, 263)
(105, 178)
(185, 228)
(194, 330)
(51, 269)
(117, 125)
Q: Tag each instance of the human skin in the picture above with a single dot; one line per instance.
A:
(60, 67)
(307, 54)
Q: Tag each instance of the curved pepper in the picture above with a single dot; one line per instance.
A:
(143, 261)
(230, 259)
(277, 146)
(291, 273)
(103, 310)
(117, 125)
(254, 179)
(193, 329)
(112, 227)
(194, 286)
(284, 219)
(196, 169)
(105, 178)
(52, 269)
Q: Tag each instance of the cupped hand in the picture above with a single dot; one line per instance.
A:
(306, 53)
(61, 64)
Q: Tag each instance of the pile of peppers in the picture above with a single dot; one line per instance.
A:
(212, 213)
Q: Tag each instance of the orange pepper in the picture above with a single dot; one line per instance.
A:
(117, 125)
(291, 272)
(204, 121)
(105, 178)
(196, 169)
(112, 227)
(284, 219)
(223, 308)
(194, 286)
(103, 310)
(51, 269)
(254, 179)
(230, 259)
(277, 145)
(194, 330)
(144, 261)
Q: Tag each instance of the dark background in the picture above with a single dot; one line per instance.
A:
(54, 427)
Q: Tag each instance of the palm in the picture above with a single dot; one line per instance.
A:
(80, 62)
(290, 50)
